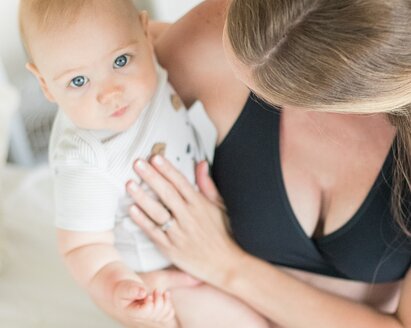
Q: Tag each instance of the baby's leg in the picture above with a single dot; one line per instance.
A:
(206, 306)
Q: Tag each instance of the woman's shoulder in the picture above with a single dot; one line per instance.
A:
(192, 52)
(191, 49)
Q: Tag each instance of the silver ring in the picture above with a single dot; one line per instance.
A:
(167, 225)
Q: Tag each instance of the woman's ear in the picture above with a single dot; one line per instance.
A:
(34, 70)
(144, 18)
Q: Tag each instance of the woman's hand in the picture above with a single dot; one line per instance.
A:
(190, 227)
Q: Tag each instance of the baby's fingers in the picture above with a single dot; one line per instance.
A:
(163, 306)
(129, 291)
(157, 307)
(168, 309)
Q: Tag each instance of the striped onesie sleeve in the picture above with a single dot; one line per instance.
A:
(86, 199)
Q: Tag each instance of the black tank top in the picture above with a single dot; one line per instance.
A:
(370, 247)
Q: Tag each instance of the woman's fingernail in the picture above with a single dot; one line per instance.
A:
(133, 186)
(158, 160)
(134, 209)
(141, 165)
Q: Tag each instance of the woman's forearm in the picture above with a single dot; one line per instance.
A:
(198, 243)
(290, 302)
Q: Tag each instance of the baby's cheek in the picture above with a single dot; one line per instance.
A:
(85, 115)
(147, 88)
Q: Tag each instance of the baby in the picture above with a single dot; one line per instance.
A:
(96, 61)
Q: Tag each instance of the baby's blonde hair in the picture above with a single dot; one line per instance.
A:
(47, 15)
(347, 56)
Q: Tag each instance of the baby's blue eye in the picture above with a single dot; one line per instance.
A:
(79, 81)
(121, 61)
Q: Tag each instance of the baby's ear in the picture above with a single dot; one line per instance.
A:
(34, 70)
(144, 18)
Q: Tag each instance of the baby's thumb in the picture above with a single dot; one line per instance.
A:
(128, 291)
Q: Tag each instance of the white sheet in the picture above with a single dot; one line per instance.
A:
(35, 288)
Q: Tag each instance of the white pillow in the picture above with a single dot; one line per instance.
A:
(9, 101)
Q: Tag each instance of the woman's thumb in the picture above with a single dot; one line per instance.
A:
(206, 184)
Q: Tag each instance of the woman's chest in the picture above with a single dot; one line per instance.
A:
(249, 172)
(328, 172)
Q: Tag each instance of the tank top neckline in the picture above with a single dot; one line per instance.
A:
(278, 177)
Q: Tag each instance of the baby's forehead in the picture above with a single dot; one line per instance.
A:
(50, 15)
(56, 19)
(59, 16)
(85, 47)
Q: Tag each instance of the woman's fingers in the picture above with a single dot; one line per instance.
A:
(206, 184)
(168, 193)
(151, 207)
(152, 210)
(151, 229)
(173, 176)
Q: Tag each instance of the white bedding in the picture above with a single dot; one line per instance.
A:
(35, 289)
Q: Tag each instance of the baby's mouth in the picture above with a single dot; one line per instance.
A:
(119, 112)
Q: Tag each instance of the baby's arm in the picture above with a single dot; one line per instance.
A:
(96, 266)
(86, 198)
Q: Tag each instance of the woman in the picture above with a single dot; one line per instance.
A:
(317, 196)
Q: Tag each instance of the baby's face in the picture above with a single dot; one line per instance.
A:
(100, 70)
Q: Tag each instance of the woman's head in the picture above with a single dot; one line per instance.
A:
(347, 56)
(335, 55)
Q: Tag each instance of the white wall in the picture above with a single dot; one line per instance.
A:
(171, 10)
(11, 50)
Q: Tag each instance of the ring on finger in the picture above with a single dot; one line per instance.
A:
(167, 225)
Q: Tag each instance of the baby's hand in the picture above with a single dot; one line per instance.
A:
(156, 308)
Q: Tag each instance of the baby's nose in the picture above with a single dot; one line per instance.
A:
(108, 95)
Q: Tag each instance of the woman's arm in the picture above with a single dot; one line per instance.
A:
(156, 29)
(198, 243)
(301, 305)
(191, 50)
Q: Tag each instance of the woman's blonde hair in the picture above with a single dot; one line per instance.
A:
(347, 56)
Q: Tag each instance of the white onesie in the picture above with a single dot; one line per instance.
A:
(91, 169)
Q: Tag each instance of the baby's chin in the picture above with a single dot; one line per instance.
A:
(127, 120)
(121, 124)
